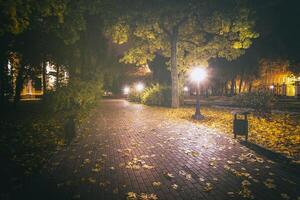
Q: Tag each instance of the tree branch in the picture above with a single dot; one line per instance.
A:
(182, 21)
(165, 29)
(191, 42)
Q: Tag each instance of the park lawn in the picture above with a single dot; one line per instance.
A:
(280, 134)
(29, 136)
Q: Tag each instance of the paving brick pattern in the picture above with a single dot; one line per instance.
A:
(126, 147)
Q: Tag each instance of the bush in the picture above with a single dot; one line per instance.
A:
(134, 97)
(77, 95)
(157, 95)
(261, 101)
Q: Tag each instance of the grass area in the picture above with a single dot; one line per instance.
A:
(30, 135)
(280, 134)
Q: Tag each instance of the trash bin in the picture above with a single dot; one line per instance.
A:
(240, 125)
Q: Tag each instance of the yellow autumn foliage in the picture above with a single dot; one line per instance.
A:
(281, 133)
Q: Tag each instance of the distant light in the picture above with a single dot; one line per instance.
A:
(186, 89)
(198, 74)
(147, 69)
(126, 90)
(271, 87)
(139, 87)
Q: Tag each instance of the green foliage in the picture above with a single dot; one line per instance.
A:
(200, 30)
(159, 95)
(224, 31)
(77, 95)
(134, 97)
(260, 101)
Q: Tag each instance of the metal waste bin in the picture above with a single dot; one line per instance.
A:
(240, 125)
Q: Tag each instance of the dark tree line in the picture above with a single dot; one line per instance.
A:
(172, 35)
(65, 33)
(279, 28)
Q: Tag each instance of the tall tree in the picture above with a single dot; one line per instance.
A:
(188, 32)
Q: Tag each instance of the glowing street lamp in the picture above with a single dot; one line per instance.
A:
(126, 90)
(139, 87)
(197, 75)
(185, 89)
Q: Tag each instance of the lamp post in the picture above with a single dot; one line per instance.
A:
(197, 75)
(126, 90)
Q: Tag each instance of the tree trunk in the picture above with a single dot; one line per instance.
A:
(241, 83)
(225, 89)
(232, 89)
(44, 74)
(19, 84)
(221, 91)
(174, 72)
(57, 77)
(2, 87)
(250, 87)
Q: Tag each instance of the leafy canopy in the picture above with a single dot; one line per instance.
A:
(206, 29)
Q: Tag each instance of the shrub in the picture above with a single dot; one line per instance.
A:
(134, 97)
(261, 101)
(157, 95)
(77, 95)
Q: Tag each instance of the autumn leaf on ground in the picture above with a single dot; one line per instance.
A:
(131, 196)
(245, 183)
(169, 175)
(230, 162)
(208, 187)
(188, 176)
(97, 168)
(119, 150)
(285, 196)
(269, 183)
(226, 167)
(278, 134)
(246, 193)
(147, 166)
(202, 179)
(195, 154)
(174, 186)
(212, 163)
(92, 180)
(145, 196)
(230, 193)
(182, 172)
(156, 184)
(104, 184)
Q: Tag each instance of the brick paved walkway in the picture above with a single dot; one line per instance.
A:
(130, 149)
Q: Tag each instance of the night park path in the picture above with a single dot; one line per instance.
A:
(128, 147)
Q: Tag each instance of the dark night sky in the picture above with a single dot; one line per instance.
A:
(278, 22)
